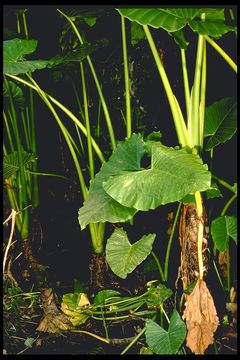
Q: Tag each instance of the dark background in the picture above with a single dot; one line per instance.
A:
(64, 247)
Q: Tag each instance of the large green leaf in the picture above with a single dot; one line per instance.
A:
(220, 122)
(99, 206)
(221, 228)
(154, 17)
(14, 51)
(163, 342)
(173, 174)
(13, 56)
(123, 257)
(174, 19)
(11, 162)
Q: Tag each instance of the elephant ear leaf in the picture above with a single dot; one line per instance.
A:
(99, 206)
(175, 19)
(14, 52)
(123, 257)
(220, 122)
(172, 175)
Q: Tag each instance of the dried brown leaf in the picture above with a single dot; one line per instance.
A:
(54, 320)
(222, 260)
(201, 318)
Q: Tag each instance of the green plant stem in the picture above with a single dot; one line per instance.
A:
(32, 132)
(193, 124)
(185, 80)
(65, 134)
(9, 136)
(133, 341)
(66, 111)
(227, 250)
(225, 56)
(218, 275)
(202, 95)
(87, 123)
(179, 123)
(104, 105)
(126, 79)
(105, 325)
(224, 183)
(228, 204)
(165, 314)
(228, 269)
(22, 186)
(158, 266)
(166, 263)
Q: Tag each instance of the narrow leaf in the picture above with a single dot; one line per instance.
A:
(123, 257)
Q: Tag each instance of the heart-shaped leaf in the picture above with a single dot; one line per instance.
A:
(220, 122)
(221, 228)
(163, 342)
(173, 174)
(123, 257)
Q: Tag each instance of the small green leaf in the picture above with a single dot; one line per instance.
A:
(103, 295)
(137, 33)
(16, 93)
(221, 228)
(29, 342)
(158, 294)
(213, 192)
(220, 122)
(123, 257)
(163, 342)
(11, 162)
(179, 39)
(145, 351)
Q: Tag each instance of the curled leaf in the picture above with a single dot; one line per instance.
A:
(201, 318)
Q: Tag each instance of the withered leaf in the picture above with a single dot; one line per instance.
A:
(201, 318)
(54, 320)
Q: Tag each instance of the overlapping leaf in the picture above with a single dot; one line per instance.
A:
(173, 174)
(99, 206)
(123, 257)
(175, 19)
(220, 122)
